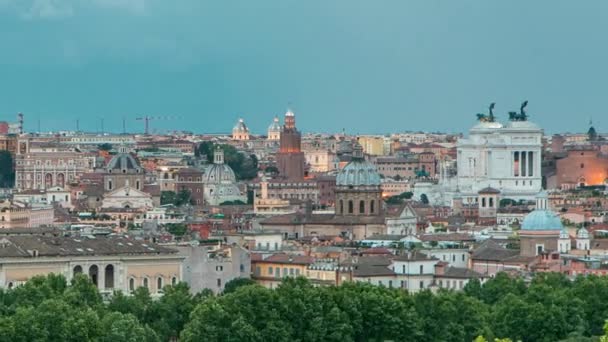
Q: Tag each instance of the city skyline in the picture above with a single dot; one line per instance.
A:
(340, 65)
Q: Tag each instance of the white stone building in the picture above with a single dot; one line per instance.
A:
(505, 157)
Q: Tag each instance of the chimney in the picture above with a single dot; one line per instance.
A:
(439, 269)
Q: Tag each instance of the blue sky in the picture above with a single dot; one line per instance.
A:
(366, 66)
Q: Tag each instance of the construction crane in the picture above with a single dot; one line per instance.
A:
(146, 119)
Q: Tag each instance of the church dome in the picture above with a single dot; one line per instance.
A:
(542, 220)
(124, 163)
(275, 126)
(358, 172)
(582, 234)
(240, 127)
(219, 173)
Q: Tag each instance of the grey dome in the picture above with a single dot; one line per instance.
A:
(123, 162)
(358, 172)
(219, 173)
(275, 126)
(240, 126)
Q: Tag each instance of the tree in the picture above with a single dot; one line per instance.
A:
(7, 172)
(235, 283)
(167, 197)
(177, 229)
(183, 197)
(235, 202)
(118, 327)
(506, 202)
(424, 199)
(105, 147)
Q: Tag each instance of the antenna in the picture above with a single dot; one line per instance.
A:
(102, 126)
(124, 125)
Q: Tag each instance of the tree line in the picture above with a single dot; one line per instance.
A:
(550, 307)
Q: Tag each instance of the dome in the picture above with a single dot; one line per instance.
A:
(358, 172)
(582, 234)
(564, 234)
(240, 126)
(219, 173)
(275, 126)
(123, 162)
(542, 220)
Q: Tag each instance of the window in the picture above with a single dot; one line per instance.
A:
(159, 284)
(146, 282)
(390, 284)
(582, 166)
(219, 282)
(174, 281)
(270, 270)
(403, 267)
(422, 284)
(297, 272)
(403, 284)
(421, 269)
(453, 257)
(341, 207)
(242, 268)
(350, 207)
(371, 206)
(131, 284)
(291, 271)
(258, 270)
(278, 272)
(219, 268)
(361, 207)
(463, 257)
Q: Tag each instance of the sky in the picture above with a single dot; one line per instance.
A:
(365, 66)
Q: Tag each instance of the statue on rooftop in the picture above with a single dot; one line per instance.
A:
(489, 117)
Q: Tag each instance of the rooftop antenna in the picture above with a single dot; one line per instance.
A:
(124, 125)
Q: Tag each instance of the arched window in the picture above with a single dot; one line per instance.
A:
(146, 285)
(77, 269)
(109, 277)
(361, 207)
(341, 207)
(110, 184)
(491, 202)
(350, 207)
(372, 204)
(159, 284)
(131, 284)
(94, 274)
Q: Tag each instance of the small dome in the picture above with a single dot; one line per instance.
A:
(219, 173)
(582, 234)
(542, 220)
(358, 172)
(275, 126)
(123, 162)
(240, 126)
(564, 234)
